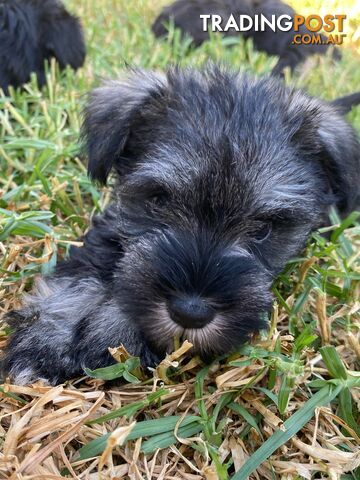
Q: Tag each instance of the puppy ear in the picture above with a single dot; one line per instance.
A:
(109, 118)
(325, 135)
(63, 38)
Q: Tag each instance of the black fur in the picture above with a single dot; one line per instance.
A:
(220, 180)
(185, 14)
(345, 104)
(32, 31)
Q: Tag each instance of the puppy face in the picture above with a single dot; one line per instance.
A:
(220, 179)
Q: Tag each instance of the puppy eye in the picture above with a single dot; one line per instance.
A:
(263, 232)
(159, 198)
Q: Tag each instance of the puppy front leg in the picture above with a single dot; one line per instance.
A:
(289, 59)
(68, 325)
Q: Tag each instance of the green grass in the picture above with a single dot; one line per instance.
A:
(46, 202)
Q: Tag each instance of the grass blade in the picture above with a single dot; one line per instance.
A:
(250, 419)
(129, 410)
(291, 427)
(333, 363)
(164, 440)
(147, 428)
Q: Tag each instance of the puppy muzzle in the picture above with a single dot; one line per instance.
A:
(197, 287)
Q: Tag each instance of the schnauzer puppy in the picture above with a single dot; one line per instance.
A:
(185, 14)
(220, 179)
(32, 31)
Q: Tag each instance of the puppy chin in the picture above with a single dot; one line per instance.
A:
(220, 336)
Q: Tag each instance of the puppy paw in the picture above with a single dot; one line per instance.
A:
(33, 353)
(20, 373)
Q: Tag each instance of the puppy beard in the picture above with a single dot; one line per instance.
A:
(222, 335)
(158, 270)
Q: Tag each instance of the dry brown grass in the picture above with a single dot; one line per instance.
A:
(44, 427)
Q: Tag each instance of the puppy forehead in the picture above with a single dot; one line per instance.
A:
(234, 131)
(223, 157)
(263, 178)
(171, 166)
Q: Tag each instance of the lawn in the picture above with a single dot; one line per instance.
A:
(284, 407)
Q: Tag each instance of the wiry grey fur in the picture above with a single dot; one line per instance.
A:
(220, 180)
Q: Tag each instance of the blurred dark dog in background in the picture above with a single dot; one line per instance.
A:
(185, 15)
(221, 178)
(32, 31)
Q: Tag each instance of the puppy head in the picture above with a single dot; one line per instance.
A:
(19, 55)
(34, 31)
(220, 180)
(60, 34)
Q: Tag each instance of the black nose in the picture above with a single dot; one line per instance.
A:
(190, 312)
